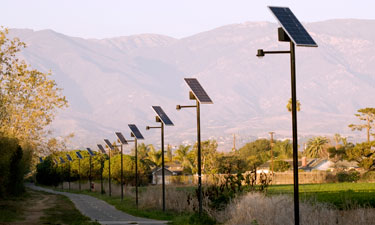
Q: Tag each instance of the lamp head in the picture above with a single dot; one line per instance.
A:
(157, 119)
(131, 135)
(260, 53)
(178, 107)
(147, 128)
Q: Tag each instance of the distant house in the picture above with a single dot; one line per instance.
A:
(267, 167)
(169, 171)
(329, 165)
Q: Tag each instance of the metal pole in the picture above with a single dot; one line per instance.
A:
(136, 172)
(69, 176)
(101, 176)
(271, 144)
(90, 180)
(295, 136)
(79, 174)
(199, 158)
(122, 177)
(109, 172)
(162, 163)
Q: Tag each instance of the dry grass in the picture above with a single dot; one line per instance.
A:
(176, 200)
(255, 208)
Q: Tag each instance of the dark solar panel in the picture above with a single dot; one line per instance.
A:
(164, 118)
(109, 144)
(292, 26)
(198, 91)
(68, 157)
(90, 152)
(121, 138)
(40, 159)
(62, 160)
(101, 148)
(79, 155)
(135, 131)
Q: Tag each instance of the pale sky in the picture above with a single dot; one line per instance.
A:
(175, 18)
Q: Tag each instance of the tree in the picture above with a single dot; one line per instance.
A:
(364, 154)
(255, 153)
(209, 157)
(183, 156)
(29, 98)
(281, 166)
(169, 154)
(154, 156)
(316, 147)
(368, 116)
(289, 105)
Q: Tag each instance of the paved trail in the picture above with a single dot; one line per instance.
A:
(99, 210)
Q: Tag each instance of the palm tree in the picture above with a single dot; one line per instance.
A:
(154, 156)
(316, 147)
(289, 105)
(182, 156)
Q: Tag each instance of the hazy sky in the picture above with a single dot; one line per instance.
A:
(176, 18)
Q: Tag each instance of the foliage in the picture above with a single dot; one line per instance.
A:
(255, 153)
(289, 105)
(47, 172)
(209, 157)
(317, 147)
(29, 98)
(184, 157)
(368, 116)
(14, 164)
(363, 154)
(350, 176)
(280, 166)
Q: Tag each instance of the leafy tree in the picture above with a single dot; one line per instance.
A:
(209, 156)
(316, 147)
(255, 153)
(364, 154)
(231, 163)
(29, 98)
(154, 156)
(283, 149)
(289, 105)
(183, 156)
(281, 166)
(169, 155)
(367, 115)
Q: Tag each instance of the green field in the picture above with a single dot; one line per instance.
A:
(342, 195)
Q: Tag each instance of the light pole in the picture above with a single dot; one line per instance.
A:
(137, 135)
(122, 141)
(271, 145)
(101, 167)
(293, 32)
(110, 147)
(198, 94)
(91, 153)
(161, 118)
(79, 169)
(69, 160)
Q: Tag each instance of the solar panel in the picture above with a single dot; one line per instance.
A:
(79, 155)
(90, 152)
(62, 160)
(162, 115)
(121, 138)
(135, 131)
(109, 144)
(292, 26)
(68, 157)
(198, 91)
(101, 148)
(40, 159)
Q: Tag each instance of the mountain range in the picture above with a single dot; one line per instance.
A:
(112, 82)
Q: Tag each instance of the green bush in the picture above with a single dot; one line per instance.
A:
(281, 166)
(14, 163)
(351, 176)
(368, 176)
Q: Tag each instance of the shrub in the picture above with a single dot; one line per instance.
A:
(281, 166)
(351, 176)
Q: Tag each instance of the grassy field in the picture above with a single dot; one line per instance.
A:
(342, 195)
(11, 209)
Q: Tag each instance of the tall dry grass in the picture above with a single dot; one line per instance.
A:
(280, 210)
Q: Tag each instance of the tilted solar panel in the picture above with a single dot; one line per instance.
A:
(164, 118)
(101, 148)
(198, 91)
(68, 157)
(135, 131)
(121, 138)
(291, 25)
(109, 144)
(79, 155)
(90, 152)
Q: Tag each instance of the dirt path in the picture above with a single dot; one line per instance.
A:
(34, 206)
